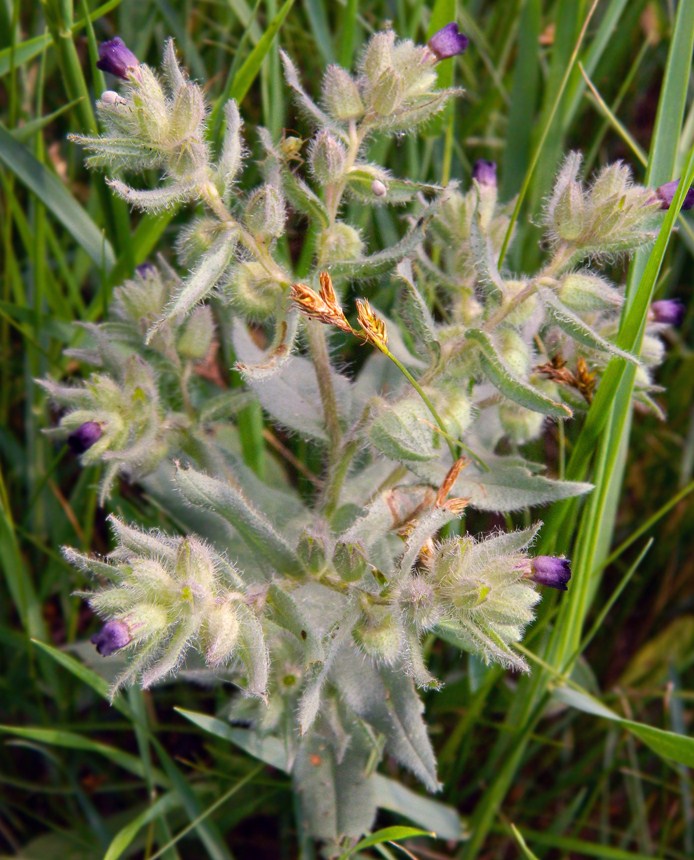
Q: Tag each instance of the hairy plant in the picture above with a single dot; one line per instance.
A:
(317, 608)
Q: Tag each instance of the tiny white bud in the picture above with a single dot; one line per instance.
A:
(109, 97)
(378, 189)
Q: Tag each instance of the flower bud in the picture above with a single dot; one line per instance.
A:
(196, 238)
(417, 599)
(327, 158)
(448, 42)
(611, 183)
(341, 95)
(221, 634)
(666, 194)
(455, 409)
(311, 552)
(113, 636)
(524, 311)
(146, 270)
(265, 213)
(584, 292)
(569, 213)
(514, 351)
(378, 55)
(552, 571)
(667, 311)
(652, 351)
(196, 338)
(349, 561)
(116, 58)
(187, 112)
(379, 634)
(378, 188)
(338, 242)
(253, 291)
(84, 437)
(520, 424)
(388, 92)
(484, 173)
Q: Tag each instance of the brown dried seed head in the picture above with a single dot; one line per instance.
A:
(449, 480)
(327, 290)
(308, 300)
(323, 307)
(456, 506)
(373, 326)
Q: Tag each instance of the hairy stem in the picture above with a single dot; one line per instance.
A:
(427, 402)
(321, 362)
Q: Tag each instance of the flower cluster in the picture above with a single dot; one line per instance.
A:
(171, 595)
(321, 618)
(144, 401)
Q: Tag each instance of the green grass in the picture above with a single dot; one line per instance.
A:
(600, 769)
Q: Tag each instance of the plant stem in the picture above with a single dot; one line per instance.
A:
(427, 402)
(321, 361)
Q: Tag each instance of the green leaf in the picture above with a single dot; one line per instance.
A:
(288, 614)
(290, 397)
(56, 198)
(336, 792)
(432, 814)
(668, 745)
(230, 503)
(269, 749)
(18, 55)
(390, 794)
(200, 282)
(573, 325)
(85, 675)
(23, 133)
(404, 431)
(303, 198)
(251, 66)
(415, 315)
(16, 573)
(387, 834)
(525, 851)
(384, 261)
(125, 836)
(510, 486)
(71, 740)
(508, 383)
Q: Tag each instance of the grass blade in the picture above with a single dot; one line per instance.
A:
(53, 194)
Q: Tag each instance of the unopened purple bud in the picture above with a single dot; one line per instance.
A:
(551, 570)
(113, 636)
(485, 172)
(146, 270)
(84, 437)
(668, 311)
(448, 42)
(666, 194)
(117, 58)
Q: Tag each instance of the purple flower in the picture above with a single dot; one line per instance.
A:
(146, 270)
(84, 437)
(485, 172)
(113, 636)
(668, 311)
(115, 57)
(666, 194)
(448, 42)
(551, 570)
